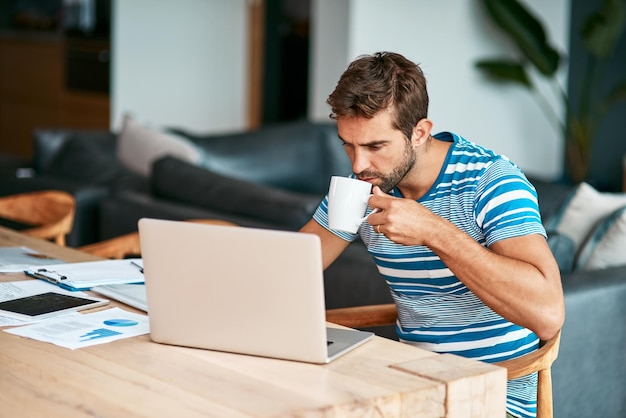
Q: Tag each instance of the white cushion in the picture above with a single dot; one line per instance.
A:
(138, 147)
(606, 246)
(584, 210)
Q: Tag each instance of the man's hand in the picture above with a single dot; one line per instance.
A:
(403, 221)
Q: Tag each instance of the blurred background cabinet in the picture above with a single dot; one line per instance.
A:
(54, 69)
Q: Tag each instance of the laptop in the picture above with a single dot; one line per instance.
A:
(242, 290)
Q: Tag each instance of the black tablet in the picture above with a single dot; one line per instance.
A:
(47, 304)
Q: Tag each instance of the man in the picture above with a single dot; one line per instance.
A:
(458, 236)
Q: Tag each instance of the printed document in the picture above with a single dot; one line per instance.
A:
(82, 330)
(18, 259)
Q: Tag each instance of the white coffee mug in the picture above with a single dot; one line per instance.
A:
(347, 203)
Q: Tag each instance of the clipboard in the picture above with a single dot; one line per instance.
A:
(87, 274)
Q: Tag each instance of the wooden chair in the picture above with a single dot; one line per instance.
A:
(539, 361)
(128, 244)
(47, 214)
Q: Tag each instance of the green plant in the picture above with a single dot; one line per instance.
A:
(537, 57)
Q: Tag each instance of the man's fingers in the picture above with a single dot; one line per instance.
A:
(376, 190)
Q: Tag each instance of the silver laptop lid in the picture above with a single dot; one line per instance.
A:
(243, 290)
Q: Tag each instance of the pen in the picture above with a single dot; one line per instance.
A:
(38, 255)
(137, 265)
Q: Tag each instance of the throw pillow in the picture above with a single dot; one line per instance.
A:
(81, 159)
(605, 247)
(584, 209)
(138, 147)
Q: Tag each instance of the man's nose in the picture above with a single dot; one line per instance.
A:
(360, 162)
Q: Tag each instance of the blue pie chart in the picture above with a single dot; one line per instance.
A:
(120, 322)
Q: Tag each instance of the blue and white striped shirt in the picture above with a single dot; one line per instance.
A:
(488, 197)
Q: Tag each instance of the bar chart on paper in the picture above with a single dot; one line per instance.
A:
(98, 333)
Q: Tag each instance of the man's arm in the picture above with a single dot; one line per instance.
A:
(517, 277)
(332, 245)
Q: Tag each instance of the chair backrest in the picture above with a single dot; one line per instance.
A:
(48, 214)
(539, 361)
(128, 244)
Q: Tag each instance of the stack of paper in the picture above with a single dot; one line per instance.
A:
(83, 330)
(130, 294)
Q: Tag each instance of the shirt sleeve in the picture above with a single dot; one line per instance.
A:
(506, 204)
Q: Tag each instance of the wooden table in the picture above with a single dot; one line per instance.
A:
(138, 378)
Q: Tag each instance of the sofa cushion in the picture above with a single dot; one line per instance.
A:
(79, 159)
(605, 246)
(298, 156)
(138, 147)
(83, 160)
(48, 142)
(551, 195)
(562, 248)
(584, 209)
(180, 181)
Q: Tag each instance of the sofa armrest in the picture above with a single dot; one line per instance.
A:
(208, 190)
(119, 213)
(590, 373)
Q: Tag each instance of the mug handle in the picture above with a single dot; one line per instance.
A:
(361, 220)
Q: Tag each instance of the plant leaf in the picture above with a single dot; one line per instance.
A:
(527, 32)
(603, 28)
(505, 70)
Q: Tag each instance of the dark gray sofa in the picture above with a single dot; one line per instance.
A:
(589, 376)
(270, 178)
(274, 178)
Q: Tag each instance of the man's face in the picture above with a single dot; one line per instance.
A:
(379, 153)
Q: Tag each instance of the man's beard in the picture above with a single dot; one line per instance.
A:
(388, 182)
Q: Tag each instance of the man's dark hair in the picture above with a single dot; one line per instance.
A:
(372, 83)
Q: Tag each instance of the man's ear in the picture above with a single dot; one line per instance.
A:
(421, 131)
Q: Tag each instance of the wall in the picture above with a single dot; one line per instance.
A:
(329, 52)
(445, 37)
(186, 66)
(180, 63)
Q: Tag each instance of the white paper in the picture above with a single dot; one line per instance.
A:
(87, 274)
(82, 330)
(22, 288)
(18, 259)
(130, 294)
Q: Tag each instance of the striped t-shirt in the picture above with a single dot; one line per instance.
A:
(488, 197)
